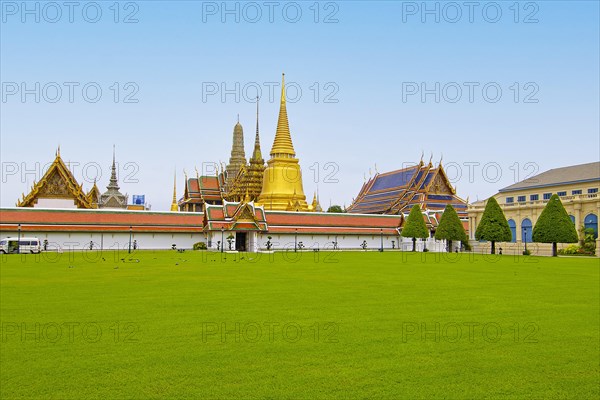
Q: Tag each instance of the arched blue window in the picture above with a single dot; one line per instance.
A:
(572, 219)
(591, 221)
(513, 229)
(526, 230)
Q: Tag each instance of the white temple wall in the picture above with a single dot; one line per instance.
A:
(255, 241)
(64, 241)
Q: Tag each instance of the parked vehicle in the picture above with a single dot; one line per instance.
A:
(13, 245)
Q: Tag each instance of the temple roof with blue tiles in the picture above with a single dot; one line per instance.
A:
(395, 192)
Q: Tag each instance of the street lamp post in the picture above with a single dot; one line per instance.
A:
(525, 238)
(381, 231)
(222, 242)
(19, 241)
(296, 241)
(130, 233)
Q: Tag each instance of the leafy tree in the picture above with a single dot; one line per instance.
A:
(493, 226)
(450, 227)
(589, 240)
(415, 226)
(335, 209)
(554, 225)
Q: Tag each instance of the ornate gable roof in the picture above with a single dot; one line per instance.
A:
(58, 182)
(439, 182)
(93, 195)
(397, 191)
(235, 215)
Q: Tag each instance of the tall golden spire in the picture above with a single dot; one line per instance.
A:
(283, 139)
(282, 180)
(257, 154)
(174, 202)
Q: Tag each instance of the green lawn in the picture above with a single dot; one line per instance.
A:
(348, 325)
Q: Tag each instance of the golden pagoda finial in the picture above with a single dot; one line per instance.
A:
(283, 87)
(422, 154)
(441, 157)
(174, 202)
(283, 138)
(430, 158)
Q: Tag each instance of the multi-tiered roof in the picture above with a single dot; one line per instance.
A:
(397, 191)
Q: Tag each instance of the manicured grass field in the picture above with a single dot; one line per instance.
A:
(348, 325)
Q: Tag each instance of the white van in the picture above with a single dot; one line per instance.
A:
(12, 245)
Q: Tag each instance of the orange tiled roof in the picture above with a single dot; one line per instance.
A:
(98, 220)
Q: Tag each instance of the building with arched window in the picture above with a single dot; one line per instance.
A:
(522, 203)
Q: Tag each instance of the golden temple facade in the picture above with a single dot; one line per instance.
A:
(58, 187)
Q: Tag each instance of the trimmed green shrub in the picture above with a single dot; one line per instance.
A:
(493, 226)
(415, 226)
(554, 225)
(200, 246)
(450, 227)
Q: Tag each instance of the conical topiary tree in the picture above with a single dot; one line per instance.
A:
(493, 226)
(450, 227)
(554, 225)
(415, 226)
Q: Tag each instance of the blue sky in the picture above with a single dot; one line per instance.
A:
(361, 68)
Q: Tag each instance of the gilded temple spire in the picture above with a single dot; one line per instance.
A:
(257, 154)
(283, 138)
(174, 202)
(282, 182)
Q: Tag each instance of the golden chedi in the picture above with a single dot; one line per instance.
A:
(282, 182)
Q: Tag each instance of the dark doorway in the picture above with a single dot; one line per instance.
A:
(240, 241)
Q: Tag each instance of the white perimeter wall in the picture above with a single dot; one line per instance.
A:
(81, 240)
(258, 241)
(255, 241)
